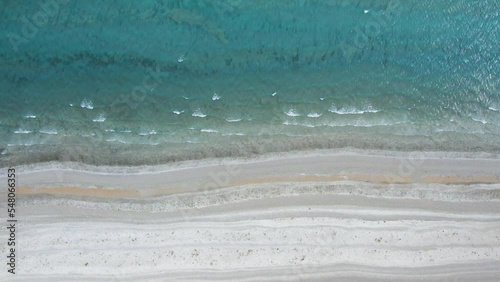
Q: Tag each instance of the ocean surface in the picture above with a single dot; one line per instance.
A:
(151, 82)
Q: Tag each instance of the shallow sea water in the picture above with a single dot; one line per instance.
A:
(127, 83)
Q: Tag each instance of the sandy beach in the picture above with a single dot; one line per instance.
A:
(191, 140)
(299, 217)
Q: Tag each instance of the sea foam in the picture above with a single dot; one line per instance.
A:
(87, 104)
(209, 130)
(50, 131)
(314, 115)
(100, 118)
(352, 110)
(149, 132)
(22, 131)
(215, 97)
(292, 113)
(199, 113)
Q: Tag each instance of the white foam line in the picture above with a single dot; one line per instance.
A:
(145, 133)
(483, 121)
(22, 131)
(352, 111)
(314, 115)
(209, 130)
(50, 131)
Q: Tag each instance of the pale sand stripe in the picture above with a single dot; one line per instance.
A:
(78, 191)
(376, 169)
(134, 193)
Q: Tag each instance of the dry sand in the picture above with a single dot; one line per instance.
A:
(299, 217)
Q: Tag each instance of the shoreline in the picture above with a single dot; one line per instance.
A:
(186, 164)
(107, 154)
(302, 167)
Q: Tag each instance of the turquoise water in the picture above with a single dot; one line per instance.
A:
(125, 83)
